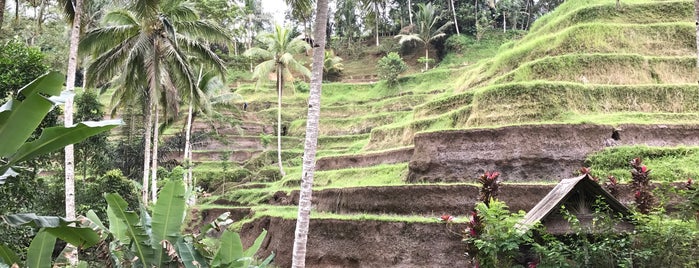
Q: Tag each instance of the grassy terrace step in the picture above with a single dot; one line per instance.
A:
(393, 104)
(237, 156)
(234, 142)
(551, 99)
(658, 39)
(367, 159)
(342, 142)
(640, 12)
(628, 69)
(242, 128)
(348, 126)
(544, 101)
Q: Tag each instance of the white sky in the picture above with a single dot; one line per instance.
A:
(276, 8)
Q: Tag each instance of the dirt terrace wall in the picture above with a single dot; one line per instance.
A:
(422, 199)
(529, 152)
(401, 155)
(340, 243)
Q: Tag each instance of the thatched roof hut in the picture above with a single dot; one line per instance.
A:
(578, 195)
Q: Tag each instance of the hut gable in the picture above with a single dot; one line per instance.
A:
(578, 195)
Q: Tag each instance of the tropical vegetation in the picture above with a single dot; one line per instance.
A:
(376, 108)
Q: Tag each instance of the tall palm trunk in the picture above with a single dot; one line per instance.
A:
(376, 21)
(186, 159)
(453, 11)
(280, 86)
(410, 12)
(696, 16)
(2, 12)
(311, 143)
(154, 155)
(427, 56)
(147, 146)
(68, 120)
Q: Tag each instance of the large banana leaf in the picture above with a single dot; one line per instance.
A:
(55, 138)
(39, 254)
(18, 119)
(250, 252)
(189, 256)
(7, 256)
(134, 229)
(82, 237)
(231, 251)
(168, 215)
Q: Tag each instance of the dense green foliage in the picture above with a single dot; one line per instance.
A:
(390, 66)
(19, 65)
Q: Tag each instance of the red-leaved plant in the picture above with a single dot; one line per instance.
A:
(612, 186)
(641, 186)
(489, 186)
(474, 228)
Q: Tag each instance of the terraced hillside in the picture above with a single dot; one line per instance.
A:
(587, 84)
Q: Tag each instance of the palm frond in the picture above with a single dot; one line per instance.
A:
(182, 11)
(202, 54)
(145, 8)
(108, 64)
(100, 40)
(262, 71)
(202, 29)
(408, 38)
(120, 17)
(257, 52)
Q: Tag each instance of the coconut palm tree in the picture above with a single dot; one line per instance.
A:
(311, 142)
(426, 30)
(68, 120)
(144, 50)
(279, 59)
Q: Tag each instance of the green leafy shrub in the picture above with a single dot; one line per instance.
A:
(90, 195)
(210, 180)
(496, 240)
(301, 86)
(390, 66)
(268, 174)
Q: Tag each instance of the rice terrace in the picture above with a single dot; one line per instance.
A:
(394, 133)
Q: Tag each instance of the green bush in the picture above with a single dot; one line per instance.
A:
(268, 174)
(210, 180)
(390, 66)
(90, 195)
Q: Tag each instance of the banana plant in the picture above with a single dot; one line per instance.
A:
(41, 247)
(157, 241)
(20, 116)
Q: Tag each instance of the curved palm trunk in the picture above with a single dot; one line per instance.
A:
(154, 163)
(311, 143)
(280, 86)
(68, 120)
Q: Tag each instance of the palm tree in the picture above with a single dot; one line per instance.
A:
(144, 49)
(68, 120)
(427, 20)
(311, 143)
(279, 58)
(369, 4)
(213, 93)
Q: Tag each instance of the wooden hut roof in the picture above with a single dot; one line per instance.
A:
(559, 194)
